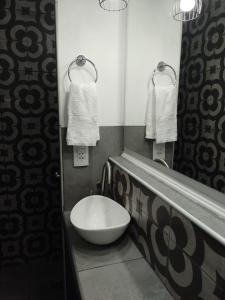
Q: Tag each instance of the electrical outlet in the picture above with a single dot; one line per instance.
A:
(80, 156)
(159, 151)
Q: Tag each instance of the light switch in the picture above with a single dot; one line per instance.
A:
(159, 151)
(80, 156)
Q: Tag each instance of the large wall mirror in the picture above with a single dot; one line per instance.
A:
(196, 51)
(149, 41)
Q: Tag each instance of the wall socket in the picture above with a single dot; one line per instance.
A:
(159, 151)
(80, 156)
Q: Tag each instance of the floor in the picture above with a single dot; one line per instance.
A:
(32, 282)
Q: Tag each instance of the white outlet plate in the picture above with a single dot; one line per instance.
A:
(80, 156)
(159, 151)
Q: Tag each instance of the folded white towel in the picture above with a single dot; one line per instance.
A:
(161, 120)
(83, 129)
(150, 116)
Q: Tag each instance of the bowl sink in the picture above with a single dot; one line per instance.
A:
(99, 220)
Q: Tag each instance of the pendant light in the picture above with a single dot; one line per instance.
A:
(113, 5)
(187, 10)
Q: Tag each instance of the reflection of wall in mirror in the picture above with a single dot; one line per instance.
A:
(200, 150)
(152, 36)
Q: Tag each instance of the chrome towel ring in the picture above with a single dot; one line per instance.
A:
(80, 61)
(160, 68)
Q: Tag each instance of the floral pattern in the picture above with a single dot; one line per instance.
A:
(201, 102)
(188, 261)
(30, 200)
(122, 186)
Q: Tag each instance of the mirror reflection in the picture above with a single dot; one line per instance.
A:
(152, 75)
(195, 50)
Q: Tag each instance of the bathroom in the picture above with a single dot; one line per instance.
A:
(131, 204)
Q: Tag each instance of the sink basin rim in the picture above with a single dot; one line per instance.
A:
(128, 218)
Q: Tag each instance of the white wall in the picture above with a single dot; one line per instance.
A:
(152, 36)
(84, 28)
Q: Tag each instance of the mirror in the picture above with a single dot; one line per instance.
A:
(148, 43)
(196, 50)
(200, 149)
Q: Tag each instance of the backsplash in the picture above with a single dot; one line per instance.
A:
(189, 262)
(199, 151)
(81, 182)
(30, 202)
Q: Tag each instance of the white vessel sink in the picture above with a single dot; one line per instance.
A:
(99, 220)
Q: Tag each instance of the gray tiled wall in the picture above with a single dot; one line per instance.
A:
(78, 182)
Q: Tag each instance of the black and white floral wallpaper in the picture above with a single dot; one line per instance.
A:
(29, 139)
(200, 150)
(189, 262)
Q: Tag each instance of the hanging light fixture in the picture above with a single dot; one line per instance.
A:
(187, 10)
(113, 5)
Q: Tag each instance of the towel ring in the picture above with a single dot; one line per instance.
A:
(160, 68)
(80, 61)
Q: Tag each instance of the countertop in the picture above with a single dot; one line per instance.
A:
(118, 271)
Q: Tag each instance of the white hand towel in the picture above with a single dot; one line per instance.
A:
(150, 116)
(166, 114)
(83, 129)
(161, 122)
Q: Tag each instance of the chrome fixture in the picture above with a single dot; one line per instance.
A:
(80, 61)
(107, 167)
(162, 162)
(161, 68)
(113, 5)
(187, 10)
(57, 175)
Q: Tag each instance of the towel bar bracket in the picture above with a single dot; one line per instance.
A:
(161, 68)
(81, 60)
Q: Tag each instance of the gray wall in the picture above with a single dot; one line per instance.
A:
(134, 139)
(77, 182)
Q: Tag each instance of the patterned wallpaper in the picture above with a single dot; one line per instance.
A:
(200, 150)
(189, 262)
(29, 141)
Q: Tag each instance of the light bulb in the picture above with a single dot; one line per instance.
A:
(187, 5)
